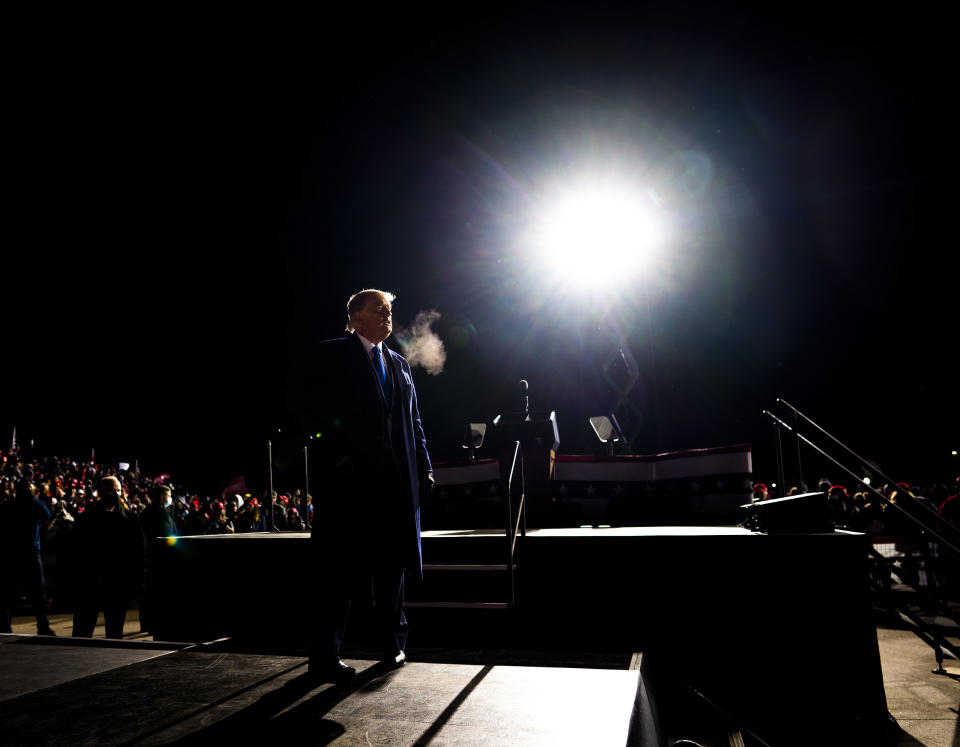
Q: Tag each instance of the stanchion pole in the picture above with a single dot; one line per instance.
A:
(270, 523)
(305, 503)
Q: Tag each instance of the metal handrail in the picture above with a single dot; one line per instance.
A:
(521, 508)
(516, 527)
(923, 631)
(512, 528)
(929, 527)
(838, 442)
(886, 501)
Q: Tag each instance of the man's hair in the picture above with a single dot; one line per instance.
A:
(112, 480)
(358, 301)
(25, 490)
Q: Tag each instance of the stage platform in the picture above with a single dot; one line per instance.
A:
(749, 620)
(74, 692)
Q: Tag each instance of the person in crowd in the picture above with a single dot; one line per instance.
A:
(248, 517)
(157, 518)
(857, 501)
(194, 522)
(219, 523)
(57, 544)
(897, 515)
(157, 521)
(950, 511)
(840, 506)
(872, 517)
(21, 521)
(233, 504)
(294, 522)
(280, 511)
(302, 503)
(108, 561)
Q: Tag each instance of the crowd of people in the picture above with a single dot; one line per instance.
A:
(865, 511)
(81, 530)
(67, 486)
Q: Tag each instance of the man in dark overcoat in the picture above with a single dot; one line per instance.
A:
(371, 450)
(108, 562)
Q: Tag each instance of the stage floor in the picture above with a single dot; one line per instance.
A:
(924, 704)
(100, 692)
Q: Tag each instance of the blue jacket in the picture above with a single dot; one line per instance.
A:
(358, 431)
(21, 522)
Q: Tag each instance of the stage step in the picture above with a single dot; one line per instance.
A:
(470, 583)
(455, 547)
(460, 605)
(946, 625)
(463, 570)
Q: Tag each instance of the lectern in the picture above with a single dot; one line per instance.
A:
(539, 441)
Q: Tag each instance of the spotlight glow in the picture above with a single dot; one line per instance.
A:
(596, 236)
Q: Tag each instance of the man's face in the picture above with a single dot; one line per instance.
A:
(375, 320)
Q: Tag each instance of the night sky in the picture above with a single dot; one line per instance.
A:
(191, 201)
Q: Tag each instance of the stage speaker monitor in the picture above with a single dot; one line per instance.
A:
(795, 514)
(473, 438)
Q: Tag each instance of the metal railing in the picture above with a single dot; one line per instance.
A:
(921, 515)
(922, 600)
(940, 539)
(518, 525)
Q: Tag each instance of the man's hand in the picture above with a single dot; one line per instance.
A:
(426, 485)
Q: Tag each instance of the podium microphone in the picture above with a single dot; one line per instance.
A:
(524, 388)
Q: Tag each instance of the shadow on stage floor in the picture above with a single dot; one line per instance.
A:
(133, 693)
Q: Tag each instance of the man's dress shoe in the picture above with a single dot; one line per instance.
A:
(335, 671)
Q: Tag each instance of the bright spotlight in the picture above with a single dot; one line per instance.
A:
(597, 236)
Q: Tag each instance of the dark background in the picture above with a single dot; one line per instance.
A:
(191, 200)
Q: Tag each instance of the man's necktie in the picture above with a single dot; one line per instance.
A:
(381, 372)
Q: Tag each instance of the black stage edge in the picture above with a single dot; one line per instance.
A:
(83, 692)
(775, 630)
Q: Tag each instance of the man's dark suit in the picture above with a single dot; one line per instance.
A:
(372, 454)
